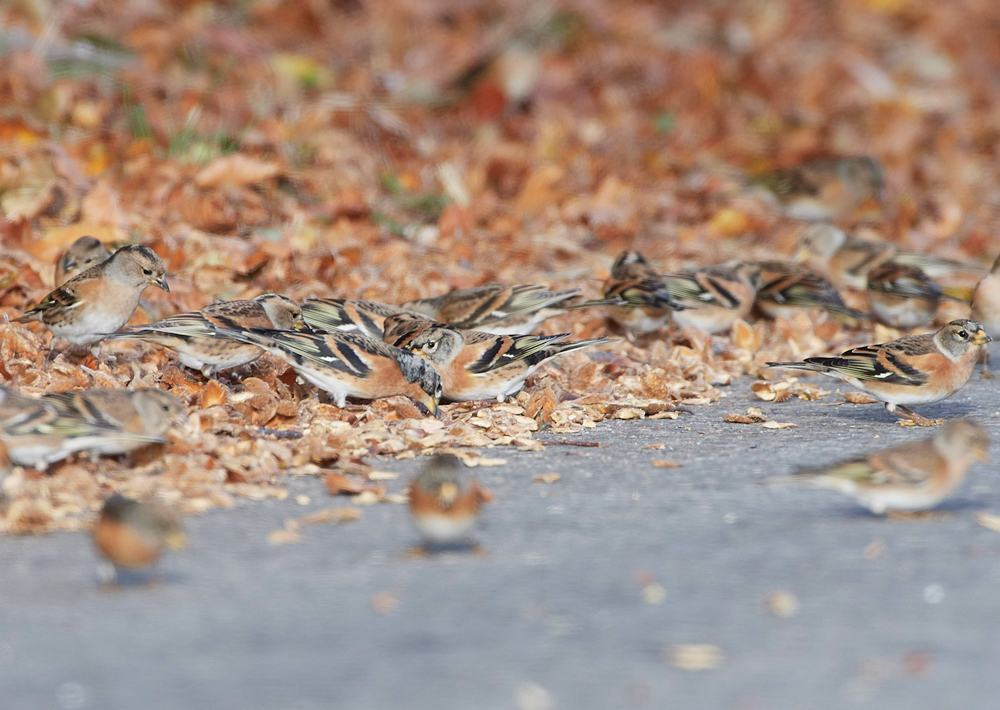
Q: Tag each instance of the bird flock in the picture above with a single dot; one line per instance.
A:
(476, 345)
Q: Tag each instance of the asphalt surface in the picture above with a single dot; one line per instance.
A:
(578, 598)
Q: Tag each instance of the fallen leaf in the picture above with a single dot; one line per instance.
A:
(779, 425)
(655, 446)
(339, 483)
(546, 477)
(664, 463)
(860, 398)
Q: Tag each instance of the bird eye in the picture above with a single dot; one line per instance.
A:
(430, 346)
(963, 334)
(148, 272)
(165, 407)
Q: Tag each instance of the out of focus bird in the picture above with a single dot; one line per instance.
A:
(986, 305)
(911, 477)
(348, 364)
(496, 309)
(713, 297)
(132, 534)
(474, 365)
(445, 501)
(825, 189)
(917, 369)
(101, 299)
(846, 260)
(903, 296)
(638, 297)
(39, 432)
(191, 335)
(128, 419)
(784, 287)
(82, 254)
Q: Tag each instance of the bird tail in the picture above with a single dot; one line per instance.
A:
(808, 366)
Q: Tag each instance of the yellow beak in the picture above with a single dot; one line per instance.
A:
(981, 338)
(801, 254)
(162, 283)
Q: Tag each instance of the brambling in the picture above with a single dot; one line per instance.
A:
(846, 260)
(133, 534)
(825, 189)
(39, 432)
(986, 307)
(784, 287)
(444, 501)
(348, 364)
(903, 296)
(146, 413)
(475, 365)
(81, 255)
(101, 299)
(641, 301)
(918, 369)
(496, 309)
(914, 476)
(191, 335)
(713, 297)
(986, 301)
(365, 317)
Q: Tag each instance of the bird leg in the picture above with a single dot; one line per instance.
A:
(906, 413)
(986, 374)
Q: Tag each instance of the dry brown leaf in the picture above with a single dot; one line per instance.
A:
(657, 447)
(779, 425)
(664, 463)
(236, 169)
(782, 604)
(752, 416)
(546, 477)
(860, 398)
(339, 483)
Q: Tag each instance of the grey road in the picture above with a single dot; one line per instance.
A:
(586, 593)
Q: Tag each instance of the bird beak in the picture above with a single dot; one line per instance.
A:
(981, 338)
(162, 283)
(300, 325)
(430, 404)
(801, 254)
(70, 264)
(982, 454)
(176, 540)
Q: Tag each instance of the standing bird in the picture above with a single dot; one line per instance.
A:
(914, 476)
(846, 260)
(101, 299)
(784, 287)
(192, 337)
(825, 189)
(82, 254)
(903, 296)
(478, 366)
(639, 299)
(496, 309)
(444, 501)
(133, 534)
(124, 420)
(918, 369)
(348, 364)
(713, 297)
(986, 308)
(39, 432)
